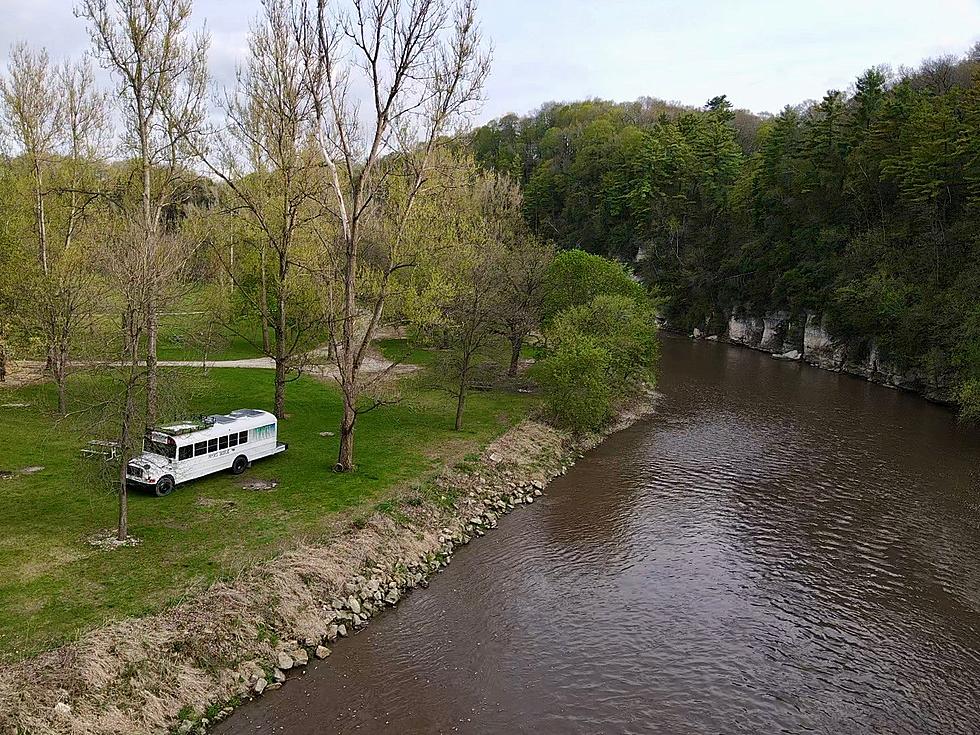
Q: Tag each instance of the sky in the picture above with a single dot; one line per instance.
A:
(764, 54)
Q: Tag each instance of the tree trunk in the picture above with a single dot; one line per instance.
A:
(348, 370)
(279, 404)
(150, 247)
(345, 458)
(152, 327)
(127, 419)
(264, 302)
(460, 404)
(60, 376)
(279, 329)
(42, 231)
(3, 364)
(516, 344)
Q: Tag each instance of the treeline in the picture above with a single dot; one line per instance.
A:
(861, 206)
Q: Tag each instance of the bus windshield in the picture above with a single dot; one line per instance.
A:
(164, 449)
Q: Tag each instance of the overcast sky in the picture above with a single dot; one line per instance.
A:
(763, 54)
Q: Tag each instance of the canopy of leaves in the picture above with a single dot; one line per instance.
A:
(861, 206)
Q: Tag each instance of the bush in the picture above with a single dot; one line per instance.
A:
(575, 277)
(574, 379)
(625, 328)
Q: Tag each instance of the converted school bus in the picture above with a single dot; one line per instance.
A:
(189, 450)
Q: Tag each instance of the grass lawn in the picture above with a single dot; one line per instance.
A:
(191, 337)
(53, 585)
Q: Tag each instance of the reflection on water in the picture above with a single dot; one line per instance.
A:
(779, 549)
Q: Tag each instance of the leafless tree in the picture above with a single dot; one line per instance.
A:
(32, 116)
(56, 118)
(67, 295)
(422, 66)
(86, 123)
(161, 70)
(267, 157)
(471, 320)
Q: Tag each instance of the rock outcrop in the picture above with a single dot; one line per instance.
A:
(809, 339)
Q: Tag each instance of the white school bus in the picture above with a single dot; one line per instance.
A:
(192, 449)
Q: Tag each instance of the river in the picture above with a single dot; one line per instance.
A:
(778, 550)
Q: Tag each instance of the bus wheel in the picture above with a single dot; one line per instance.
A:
(164, 486)
(239, 465)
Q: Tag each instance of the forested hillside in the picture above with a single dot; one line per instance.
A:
(861, 206)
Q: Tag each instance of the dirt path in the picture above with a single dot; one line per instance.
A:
(32, 371)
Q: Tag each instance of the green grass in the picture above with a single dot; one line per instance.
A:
(53, 585)
(191, 337)
(404, 350)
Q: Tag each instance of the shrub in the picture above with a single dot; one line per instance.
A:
(622, 326)
(575, 277)
(574, 379)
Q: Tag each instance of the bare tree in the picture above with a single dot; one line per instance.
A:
(85, 110)
(423, 67)
(470, 319)
(56, 118)
(268, 159)
(71, 284)
(161, 71)
(32, 116)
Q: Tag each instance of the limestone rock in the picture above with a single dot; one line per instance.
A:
(746, 330)
(261, 685)
(284, 661)
(301, 657)
(321, 652)
(354, 604)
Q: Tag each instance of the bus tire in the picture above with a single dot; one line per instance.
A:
(239, 465)
(165, 485)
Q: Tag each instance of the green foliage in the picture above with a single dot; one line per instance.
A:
(969, 397)
(574, 378)
(861, 206)
(624, 328)
(600, 352)
(575, 277)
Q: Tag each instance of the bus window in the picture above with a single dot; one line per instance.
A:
(212, 445)
(242, 437)
(222, 442)
(185, 452)
(164, 449)
(233, 440)
(200, 448)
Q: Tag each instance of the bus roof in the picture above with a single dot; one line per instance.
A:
(218, 424)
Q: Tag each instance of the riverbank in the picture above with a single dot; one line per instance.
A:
(182, 669)
(808, 338)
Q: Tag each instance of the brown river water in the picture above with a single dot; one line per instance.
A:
(778, 550)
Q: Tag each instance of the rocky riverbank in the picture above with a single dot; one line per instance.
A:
(183, 669)
(809, 339)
